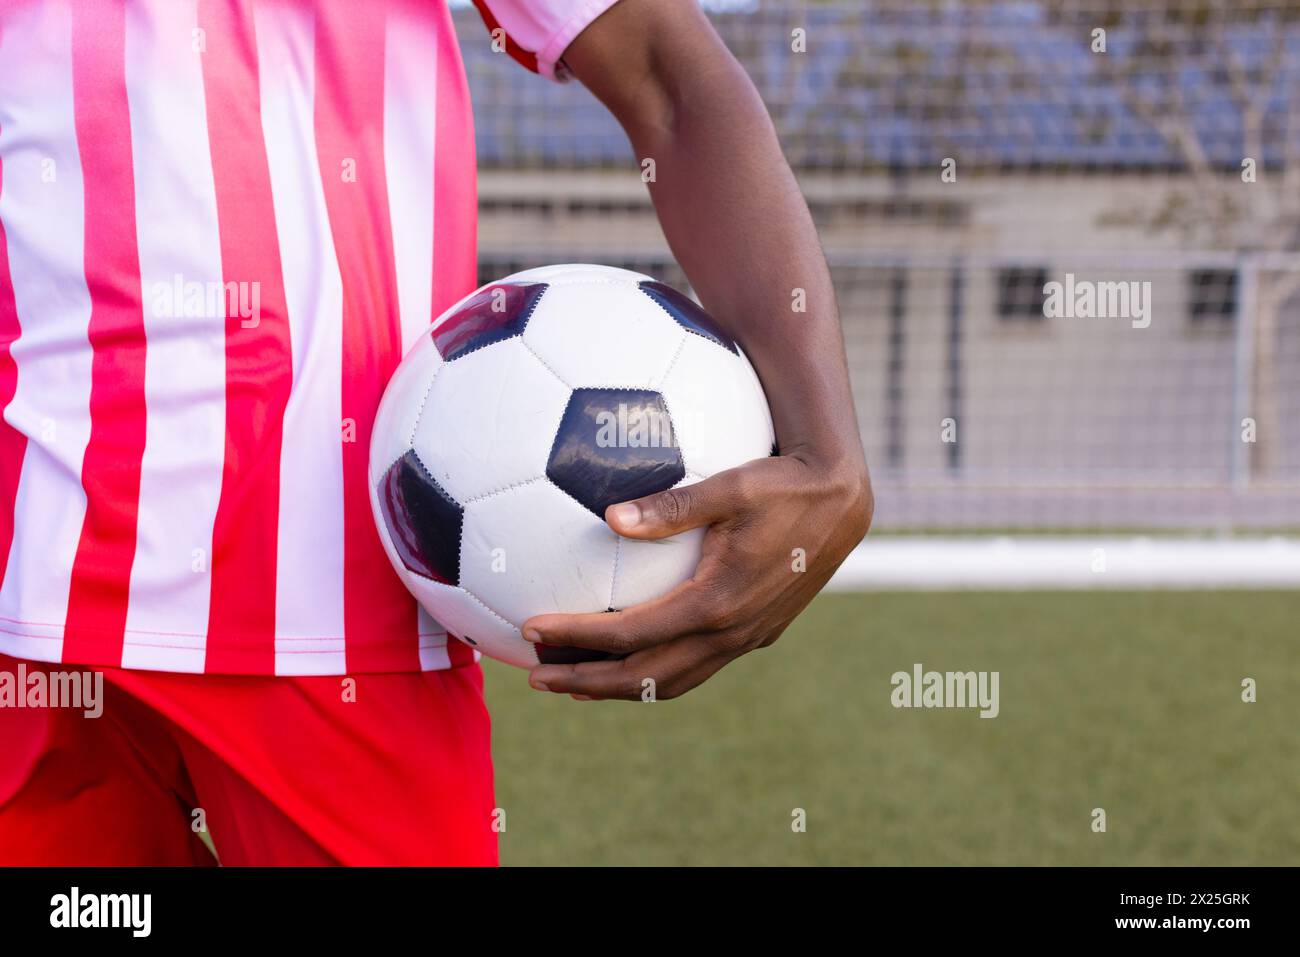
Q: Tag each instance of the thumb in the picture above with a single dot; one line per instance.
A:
(673, 510)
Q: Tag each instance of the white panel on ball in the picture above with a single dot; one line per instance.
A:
(646, 570)
(760, 397)
(465, 617)
(603, 334)
(534, 550)
(475, 447)
(401, 405)
(562, 272)
(719, 418)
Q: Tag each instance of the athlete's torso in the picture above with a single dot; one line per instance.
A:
(221, 222)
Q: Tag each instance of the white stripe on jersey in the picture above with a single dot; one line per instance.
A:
(433, 643)
(43, 209)
(410, 58)
(185, 367)
(309, 573)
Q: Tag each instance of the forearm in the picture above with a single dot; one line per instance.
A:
(738, 225)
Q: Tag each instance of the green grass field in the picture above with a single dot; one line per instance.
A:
(1126, 701)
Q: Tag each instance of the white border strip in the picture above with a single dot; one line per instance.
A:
(924, 563)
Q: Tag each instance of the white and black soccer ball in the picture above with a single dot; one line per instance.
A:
(527, 409)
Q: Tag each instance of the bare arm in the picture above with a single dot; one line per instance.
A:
(738, 225)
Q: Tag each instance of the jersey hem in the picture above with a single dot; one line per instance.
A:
(48, 649)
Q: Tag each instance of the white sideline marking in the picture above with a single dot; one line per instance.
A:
(887, 563)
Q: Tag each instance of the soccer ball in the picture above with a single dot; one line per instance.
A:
(528, 408)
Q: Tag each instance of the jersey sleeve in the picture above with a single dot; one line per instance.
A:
(537, 32)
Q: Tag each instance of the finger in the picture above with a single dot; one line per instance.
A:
(667, 671)
(680, 508)
(684, 610)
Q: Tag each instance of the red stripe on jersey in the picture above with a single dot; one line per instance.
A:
(110, 471)
(350, 148)
(455, 197)
(241, 624)
(518, 53)
(13, 444)
(459, 653)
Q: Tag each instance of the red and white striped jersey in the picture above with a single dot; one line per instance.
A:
(221, 223)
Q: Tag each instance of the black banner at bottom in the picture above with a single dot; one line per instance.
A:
(584, 907)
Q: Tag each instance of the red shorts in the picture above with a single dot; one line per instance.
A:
(284, 770)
